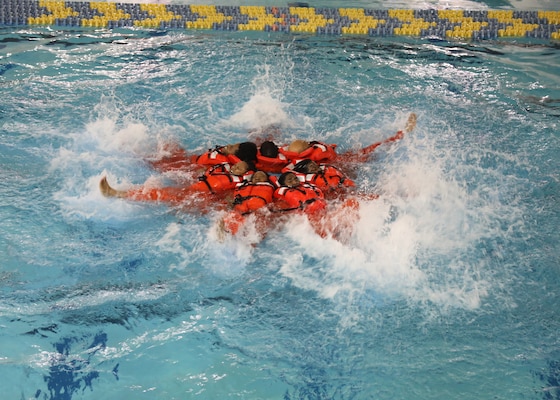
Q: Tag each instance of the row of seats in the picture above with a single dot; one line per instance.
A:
(447, 23)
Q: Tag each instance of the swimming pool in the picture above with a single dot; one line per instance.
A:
(448, 287)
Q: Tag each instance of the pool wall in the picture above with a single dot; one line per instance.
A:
(475, 24)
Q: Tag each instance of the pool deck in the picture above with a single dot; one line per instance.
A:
(461, 24)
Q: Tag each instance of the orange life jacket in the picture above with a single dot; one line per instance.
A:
(218, 178)
(269, 164)
(252, 196)
(328, 179)
(214, 157)
(303, 197)
(318, 152)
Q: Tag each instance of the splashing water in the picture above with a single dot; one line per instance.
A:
(448, 276)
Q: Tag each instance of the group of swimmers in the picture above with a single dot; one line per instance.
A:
(249, 178)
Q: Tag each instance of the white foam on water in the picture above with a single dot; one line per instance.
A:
(416, 242)
(198, 244)
(266, 108)
(110, 146)
(172, 242)
(263, 109)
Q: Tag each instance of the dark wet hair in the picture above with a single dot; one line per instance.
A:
(302, 166)
(269, 149)
(247, 152)
(282, 178)
(251, 166)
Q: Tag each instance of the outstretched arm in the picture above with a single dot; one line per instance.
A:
(175, 158)
(362, 155)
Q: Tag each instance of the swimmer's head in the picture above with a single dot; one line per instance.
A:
(288, 179)
(259, 176)
(269, 149)
(247, 151)
(229, 149)
(240, 168)
(297, 146)
(307, 167)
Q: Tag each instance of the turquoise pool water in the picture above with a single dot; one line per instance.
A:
(448, 287)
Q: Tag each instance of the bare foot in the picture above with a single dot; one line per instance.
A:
(411, 123)
(108, 191)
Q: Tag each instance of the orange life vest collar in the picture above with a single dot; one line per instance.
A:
(318, 152)
(219, 178)
(299, 197)
(252, 196)
(270, 164)
(215, 156)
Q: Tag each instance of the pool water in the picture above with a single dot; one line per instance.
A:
(446, 288)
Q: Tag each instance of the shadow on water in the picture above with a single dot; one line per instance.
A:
(69, 374)
(550, 377)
